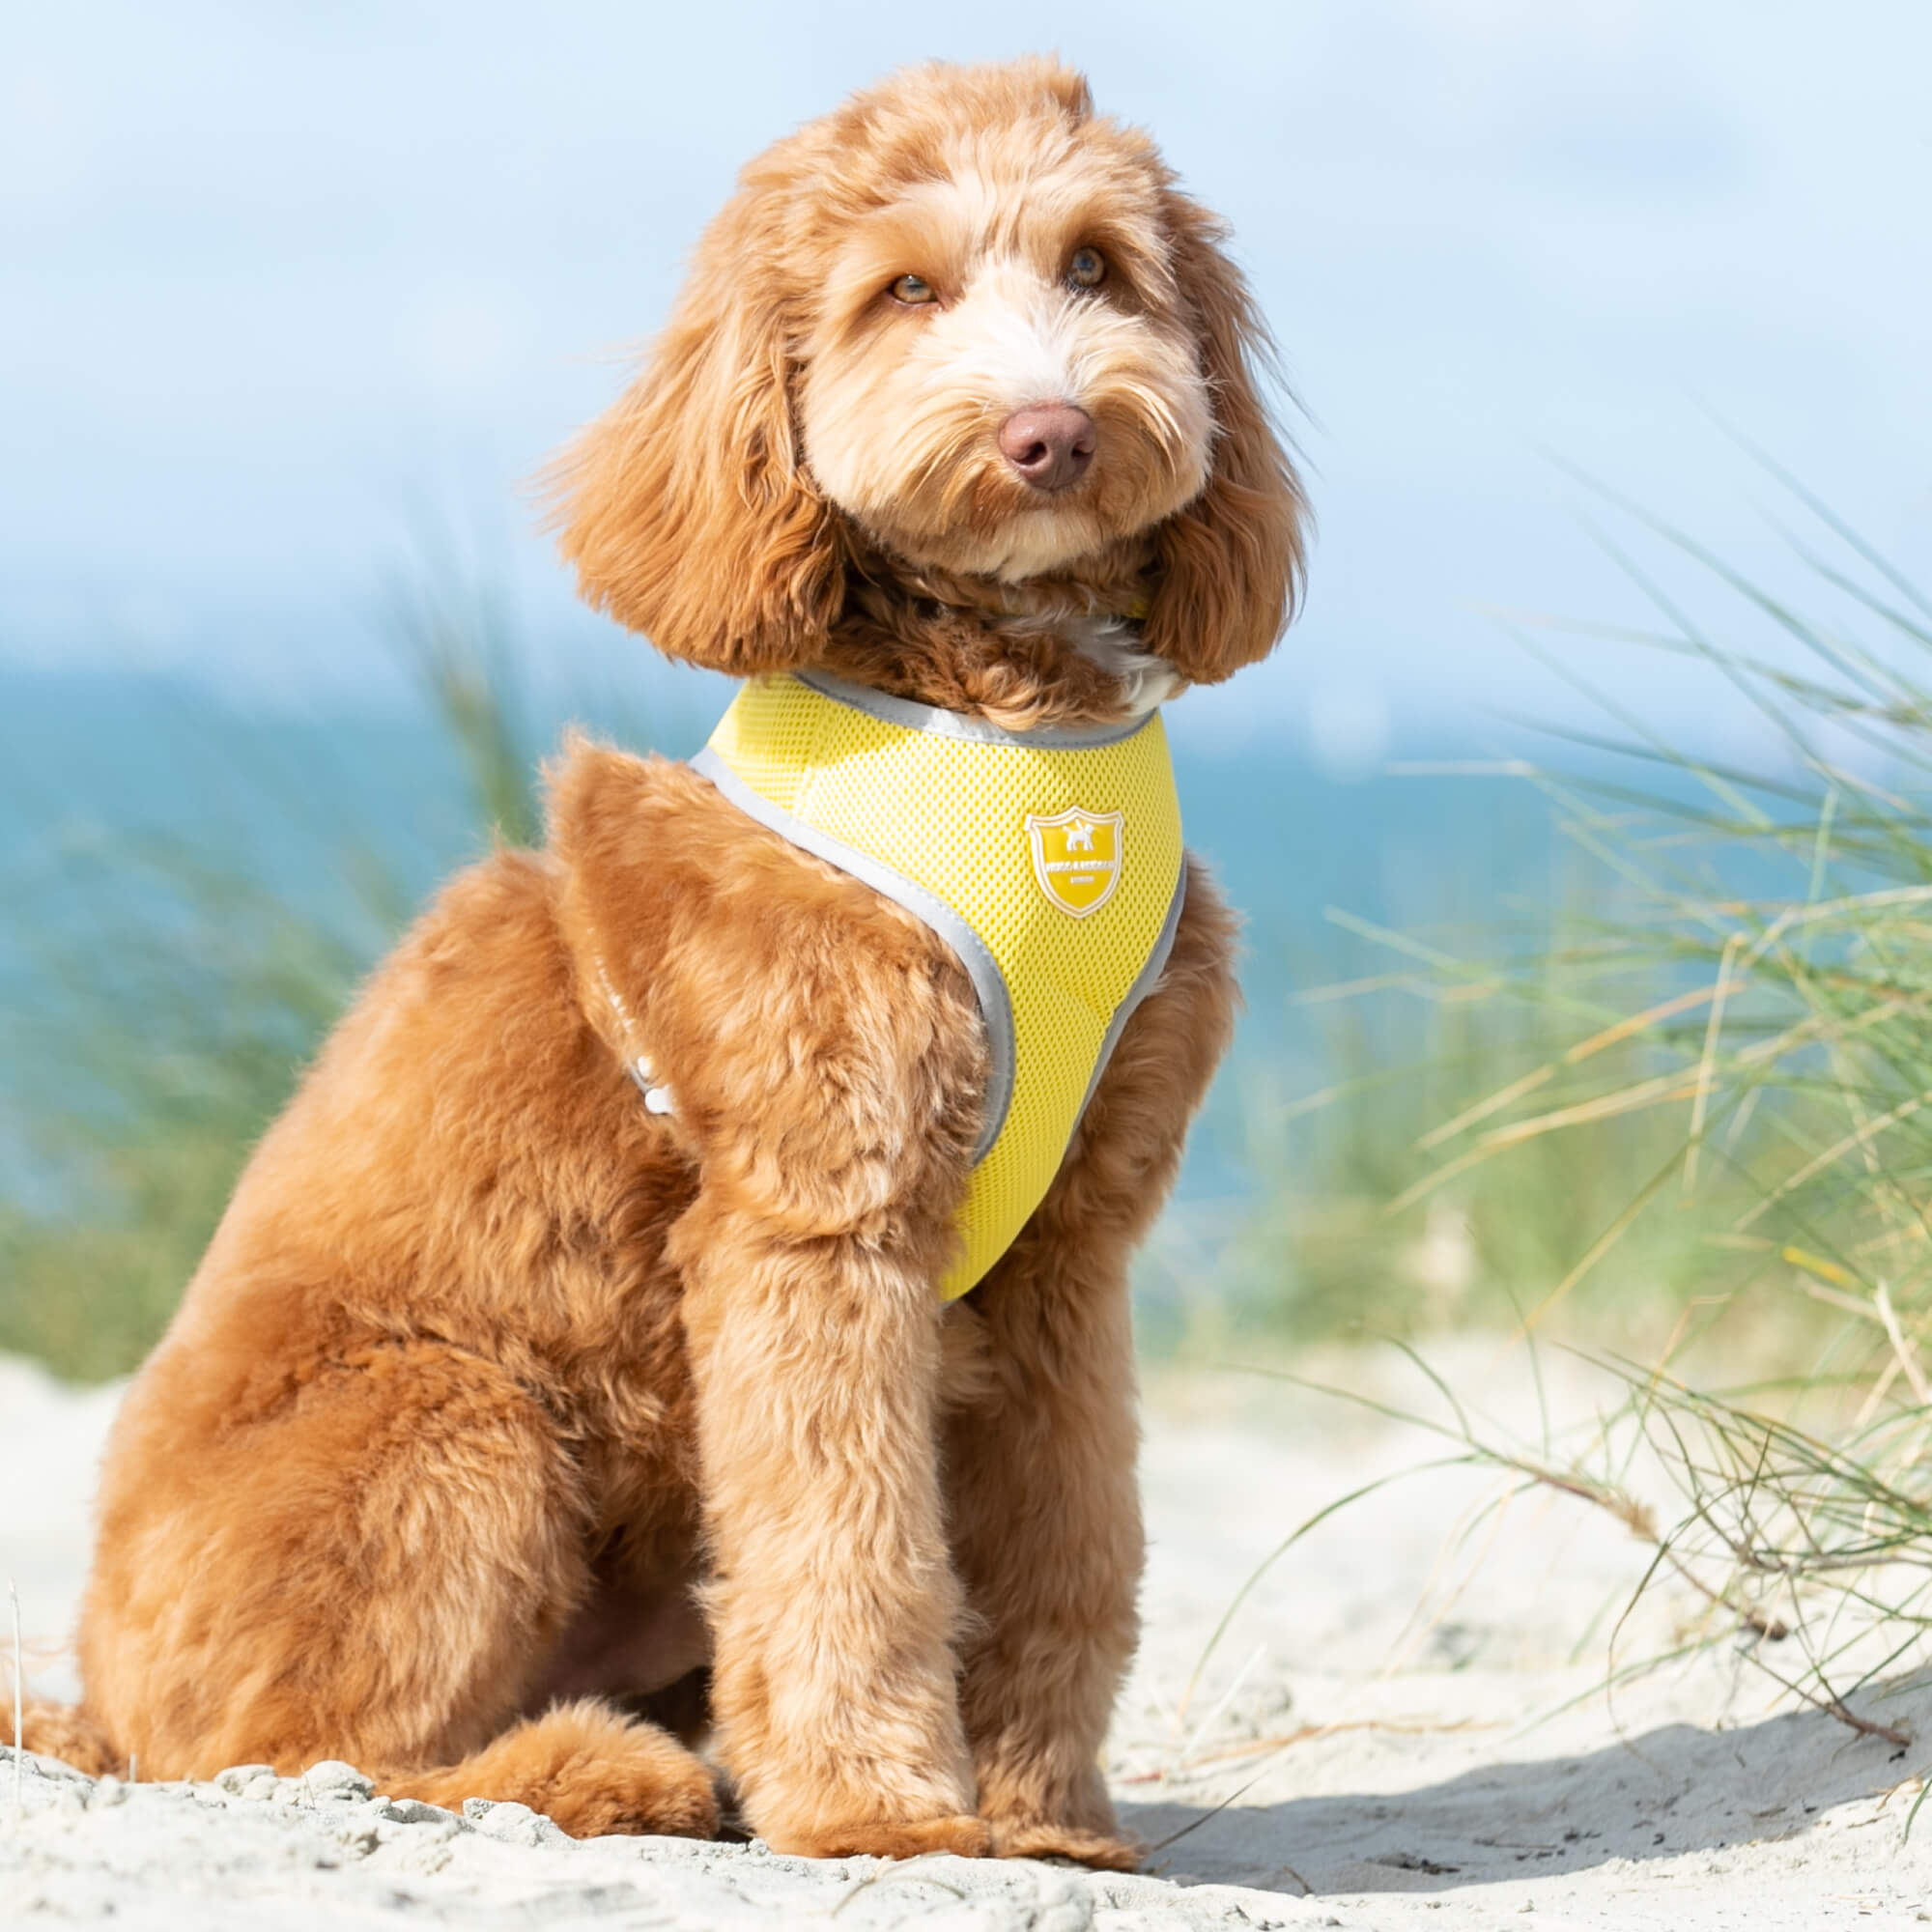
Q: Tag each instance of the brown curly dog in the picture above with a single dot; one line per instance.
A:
(514, 1429)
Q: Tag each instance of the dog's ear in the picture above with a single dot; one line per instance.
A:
(1230, 561)
(686, 510)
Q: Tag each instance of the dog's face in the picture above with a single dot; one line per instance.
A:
(964, 324)
(999, 372)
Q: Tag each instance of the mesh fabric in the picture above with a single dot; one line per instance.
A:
(1071, 912)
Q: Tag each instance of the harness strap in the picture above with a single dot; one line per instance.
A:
(1049, 861)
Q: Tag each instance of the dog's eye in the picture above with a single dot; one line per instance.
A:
(1088, 268)
(913, 291)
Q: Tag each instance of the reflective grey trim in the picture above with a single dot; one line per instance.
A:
(956, 724)
(996, 1008)
(1149, 977)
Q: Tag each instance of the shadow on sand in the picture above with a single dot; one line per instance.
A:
(1671, 1791)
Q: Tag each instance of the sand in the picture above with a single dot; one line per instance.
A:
(1405, 1724)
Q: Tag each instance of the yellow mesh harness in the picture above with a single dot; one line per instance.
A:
(1049, 861)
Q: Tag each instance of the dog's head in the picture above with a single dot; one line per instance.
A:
(966, 323)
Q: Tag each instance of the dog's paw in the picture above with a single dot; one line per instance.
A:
(1036, 1838)
(648, 1793)
(963, 1836)
(587, 1769)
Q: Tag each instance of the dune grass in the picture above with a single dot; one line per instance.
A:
(175, 991)
(1370, 1215)
(1735, 1049)
(158, 1045)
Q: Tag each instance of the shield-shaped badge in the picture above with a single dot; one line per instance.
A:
(1076, 857)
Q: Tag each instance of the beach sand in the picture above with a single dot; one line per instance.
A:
(1404, 1723)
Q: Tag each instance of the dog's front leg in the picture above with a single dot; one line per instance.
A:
(833, 1604)
(1046, 1529)
(1044, 1502)
(832, 1173)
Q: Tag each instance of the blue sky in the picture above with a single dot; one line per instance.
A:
(280, 285)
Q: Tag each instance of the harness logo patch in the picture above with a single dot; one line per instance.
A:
(1076, 857)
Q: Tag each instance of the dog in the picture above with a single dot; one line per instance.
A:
(517, 1425)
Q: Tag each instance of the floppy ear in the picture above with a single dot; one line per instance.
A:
(1230, 561)
(685, 508)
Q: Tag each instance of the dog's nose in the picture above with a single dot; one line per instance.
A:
(1051, 444)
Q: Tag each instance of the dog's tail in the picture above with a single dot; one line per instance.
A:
(67, 1732)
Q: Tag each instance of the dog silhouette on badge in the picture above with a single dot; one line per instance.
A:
(1076, 857)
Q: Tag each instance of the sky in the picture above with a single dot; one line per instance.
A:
(292, 294)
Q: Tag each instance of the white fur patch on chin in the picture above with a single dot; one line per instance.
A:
(1033, 545)
(1146, 682)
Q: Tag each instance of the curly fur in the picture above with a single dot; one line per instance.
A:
(508, 1430)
